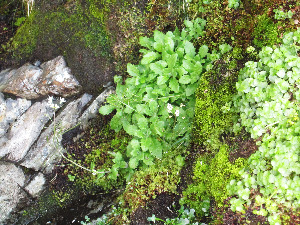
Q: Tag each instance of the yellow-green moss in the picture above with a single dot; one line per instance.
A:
(211, 175)
(212, 109)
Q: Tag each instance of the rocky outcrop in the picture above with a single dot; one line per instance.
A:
(31, 81)
(31, 132)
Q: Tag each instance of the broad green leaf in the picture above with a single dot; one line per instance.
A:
(115, 123)
(132, 70)
(130, 129)
(189, 49)
(174, 85)
(225, 48)
(159, 36)
(106, 109)
(146, 42)
(185, 79)
(135, 144)
(157, 68)
(190, 89)
(158, 127)
(171, 60)
(149, 57)
(162, 80)
(188, 24)
(133, 163)
(188, 65)
(142, 121)
(146, 143)
(156, 148)
(153, 106)
(169, 44)
(142, 108)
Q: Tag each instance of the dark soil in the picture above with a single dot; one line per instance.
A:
(163, 207)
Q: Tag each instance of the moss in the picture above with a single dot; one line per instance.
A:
(266, 32)
(146, 184)
(211, 175)
(212, 109)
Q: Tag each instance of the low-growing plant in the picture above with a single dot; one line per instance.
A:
(268, 103)
(233, 3)
(281, 15)
(210, 178)
(155, 105)
(185, 216)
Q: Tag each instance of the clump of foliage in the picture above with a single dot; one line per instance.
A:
(185, 216)
(148, 183)
(99, 148)
(156, 104)
(268, 102)
(210, 178)
(281, 15)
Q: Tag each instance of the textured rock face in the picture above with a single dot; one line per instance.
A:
(31, 82)
(11, 181)
(31, 133)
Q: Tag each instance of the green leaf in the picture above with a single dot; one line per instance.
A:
(156, 149)
(189, 49)
(130, 129)
(135, 144)
(153, 106)
(188, 24)
(146, 42)
(185, 79)
(149, 57)
(106, 109)
(190, 89)
(158, 127)
(157, 68)
(174, 85)
(132, 70)
(162, 80)
(133, 163)
(142, 121)
(171, 60)
(169, 44)
(115, 123)
(225, 48)
(203, 50)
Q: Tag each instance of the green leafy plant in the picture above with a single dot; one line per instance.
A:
(186, 216)
(233, 3)
(19, 21)
(155, 105)
(268, 103)
(281, 15)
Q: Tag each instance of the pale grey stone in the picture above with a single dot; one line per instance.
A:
(10, 110)
(11, 178)
(48, 149)
(93, 110)
(35, 187)
(31, 82)
(25, 131)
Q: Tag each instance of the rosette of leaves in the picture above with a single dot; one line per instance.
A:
(168, 73)
(268, 103)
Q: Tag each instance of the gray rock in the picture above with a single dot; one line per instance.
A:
(48, 149)
(31, 82)
(35, 187)
(93, 110)
(11, 178)
(10, 110)
(25, 131)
